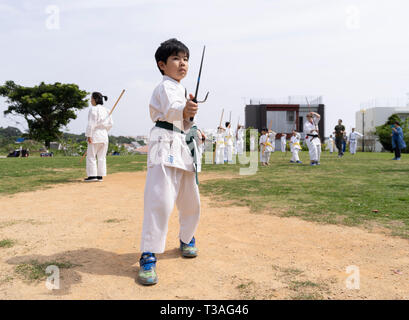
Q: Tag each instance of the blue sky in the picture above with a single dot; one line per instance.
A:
(347, 51)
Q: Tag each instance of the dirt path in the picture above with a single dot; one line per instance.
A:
(241, 255)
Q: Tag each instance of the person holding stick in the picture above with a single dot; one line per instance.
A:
(99, 123)
(171, 171)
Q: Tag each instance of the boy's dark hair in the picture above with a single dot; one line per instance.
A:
(99, 98)
(168, 48)
(397, 122)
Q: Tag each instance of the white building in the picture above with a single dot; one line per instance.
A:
(376, 113)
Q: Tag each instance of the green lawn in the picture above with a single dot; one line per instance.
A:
(341, 191)
(25, 174)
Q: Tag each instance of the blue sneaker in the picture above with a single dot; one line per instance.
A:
(299, 161)
(189, 250)
(147, 271)
(313, 164)
(291, 161)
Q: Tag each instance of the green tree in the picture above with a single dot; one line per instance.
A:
(46, 107)
(384, 132)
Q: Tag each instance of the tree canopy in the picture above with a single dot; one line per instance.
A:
(46, 107)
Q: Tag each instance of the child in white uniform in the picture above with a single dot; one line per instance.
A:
(295, 147)
(170, 177)
(283, 142)
(311, 137)
(219, 140)
(228, 139)
(331, 144)
(240, 140)
(263, 144)
(353, 136)
(99, 123)
(269, 145)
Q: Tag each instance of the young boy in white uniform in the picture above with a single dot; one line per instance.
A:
(283, 142)
(262, 143)
(240, 140)
(170, 177)
(269, 145)
(331, 144)
(295, 147)
(228, 139)
(99, 123)
(311, 137)
(353, 136)
(219, 140)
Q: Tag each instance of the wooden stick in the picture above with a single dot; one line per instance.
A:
(113, 108)
(221, 118)
(83, 157)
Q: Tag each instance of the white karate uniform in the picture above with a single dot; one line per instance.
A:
(314, 144)
(331, 144)
(240, 141)
(263, 155)
(295, 147)
(219, 157)
(170, 177)
(99, 123)
(352, 141)
(269, 147)
(228, 138)
(283, 143)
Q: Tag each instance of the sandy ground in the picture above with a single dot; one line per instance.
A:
(241, 255)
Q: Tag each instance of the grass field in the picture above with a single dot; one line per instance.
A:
(340, 191)
(25, 174)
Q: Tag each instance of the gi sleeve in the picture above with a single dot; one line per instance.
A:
(171, 103)
(92, 122)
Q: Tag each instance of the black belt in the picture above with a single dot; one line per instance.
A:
(190, 136)
(313, 135)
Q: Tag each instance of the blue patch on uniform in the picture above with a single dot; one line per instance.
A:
(170, 159)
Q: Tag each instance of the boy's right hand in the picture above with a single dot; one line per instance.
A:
(190, 109)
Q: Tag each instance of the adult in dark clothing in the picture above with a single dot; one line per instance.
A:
(397, 140)
(339, 137)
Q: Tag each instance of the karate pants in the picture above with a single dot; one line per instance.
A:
(240, 146)
(219, 157)
(295, 157)
(352, 147)
(283, 145)
(229, 153)
(267, 156)
(166, 186)
(263, 156)
(331, 149)
(314, 148)
(96, 154)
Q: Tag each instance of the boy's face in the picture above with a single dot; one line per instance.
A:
(176, 66)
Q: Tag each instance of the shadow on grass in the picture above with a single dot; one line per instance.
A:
(89, 260)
